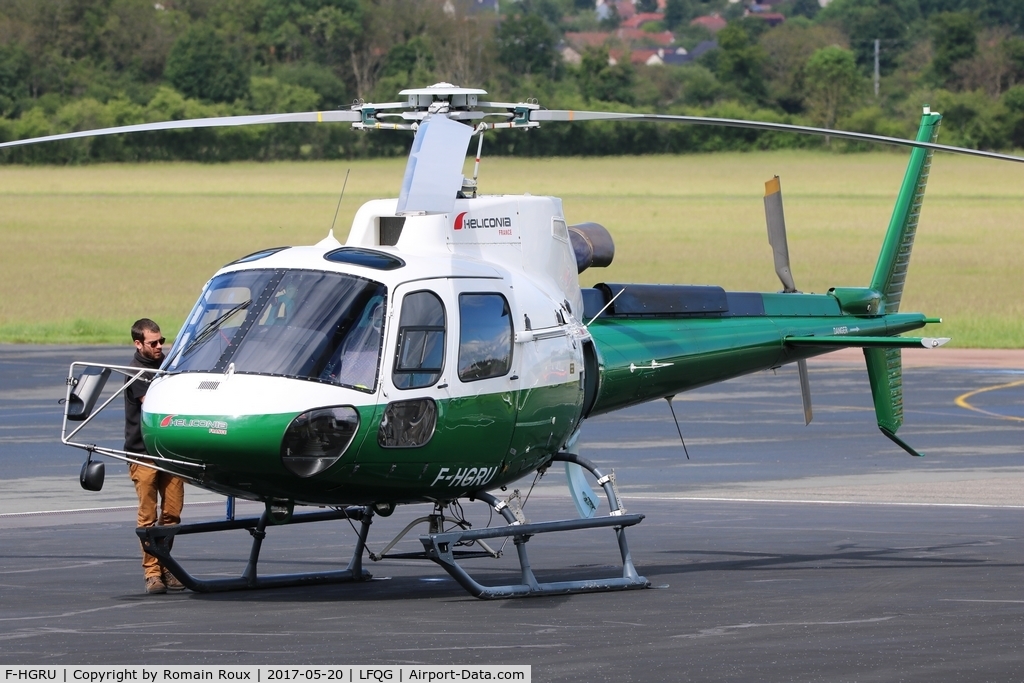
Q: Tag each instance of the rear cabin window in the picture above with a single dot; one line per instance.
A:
(485, 336)
(419, 357)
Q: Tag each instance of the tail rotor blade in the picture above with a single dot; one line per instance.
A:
(775, 217)
(805, 391)
(776, 220)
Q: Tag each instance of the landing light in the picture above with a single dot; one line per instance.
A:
(280, 511)
(316, 439)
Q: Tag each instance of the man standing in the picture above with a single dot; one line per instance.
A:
(150, 484)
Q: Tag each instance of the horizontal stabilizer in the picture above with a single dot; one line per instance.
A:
(869, 342)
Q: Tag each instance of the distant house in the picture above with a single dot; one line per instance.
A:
(638, 20)
(478, 6)
(636, 35)
(712, 22)
(627, 44)
(702, 47)
(772, 18)
(675, 57)
(569, 54)
(672, 56)
(647, 57)
(471, 6)
(667, 56)
(580, 41)
(625, 8)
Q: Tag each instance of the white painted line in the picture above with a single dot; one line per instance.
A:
(823, 502)
(118, 508)
(967, 600)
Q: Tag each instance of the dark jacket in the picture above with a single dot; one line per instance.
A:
(133, 396)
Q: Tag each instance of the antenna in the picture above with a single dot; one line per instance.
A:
(479, 149)
(343, 186)
(468, 190)
(678, 428)
(605, 308)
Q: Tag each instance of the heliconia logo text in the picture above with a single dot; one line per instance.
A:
(213, 426)
(461, 222)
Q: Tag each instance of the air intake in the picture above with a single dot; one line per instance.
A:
(389, 230)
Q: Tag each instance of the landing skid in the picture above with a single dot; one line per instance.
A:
(157, 541)
(439, 546)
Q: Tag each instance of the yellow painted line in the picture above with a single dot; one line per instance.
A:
(962, 400)
(319, 117)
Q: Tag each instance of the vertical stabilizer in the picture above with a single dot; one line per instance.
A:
(893, 261)
(885, 366)
(885, 370)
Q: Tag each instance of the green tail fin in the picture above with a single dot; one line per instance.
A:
(885, 365)
(885, 371)
(894, 259)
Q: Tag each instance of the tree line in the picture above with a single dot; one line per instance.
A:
(70, 65)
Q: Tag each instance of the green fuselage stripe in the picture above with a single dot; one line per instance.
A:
(479, 442)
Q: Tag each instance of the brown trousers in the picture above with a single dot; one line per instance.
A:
(151, 485)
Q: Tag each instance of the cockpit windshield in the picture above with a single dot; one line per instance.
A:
(294, 323)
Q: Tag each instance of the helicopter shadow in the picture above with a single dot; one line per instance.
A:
(845, 557)
(421, 586)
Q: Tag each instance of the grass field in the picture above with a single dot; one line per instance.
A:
(84, 251)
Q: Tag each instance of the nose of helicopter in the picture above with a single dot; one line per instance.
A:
(264, 427)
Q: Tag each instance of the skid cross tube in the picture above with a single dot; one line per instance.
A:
(157, 541)
(439, 547)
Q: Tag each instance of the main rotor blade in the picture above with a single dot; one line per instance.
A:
(571, 115)
(213, 122)
(776, 221)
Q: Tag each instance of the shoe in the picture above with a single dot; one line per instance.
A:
(171, 582)
(155, 585)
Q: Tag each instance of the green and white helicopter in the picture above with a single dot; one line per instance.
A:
(446, 350)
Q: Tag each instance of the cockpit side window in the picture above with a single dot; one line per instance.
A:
(485, 336)
(419, 356)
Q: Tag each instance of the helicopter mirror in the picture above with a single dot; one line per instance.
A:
(87, 387)
(91, 476)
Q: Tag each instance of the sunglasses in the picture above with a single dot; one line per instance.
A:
(155, 343)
